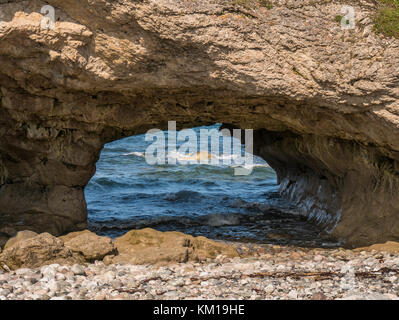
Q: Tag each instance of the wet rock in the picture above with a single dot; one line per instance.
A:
(151, 246)
(90, 245)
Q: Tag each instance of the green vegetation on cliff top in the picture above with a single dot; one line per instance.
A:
(387, 20)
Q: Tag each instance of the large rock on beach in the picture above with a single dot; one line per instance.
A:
(33, 252)
(151, 246)
(88, 244)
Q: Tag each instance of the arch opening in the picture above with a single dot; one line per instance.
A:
(206, 199)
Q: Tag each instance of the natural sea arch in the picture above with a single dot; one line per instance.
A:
(323, 102)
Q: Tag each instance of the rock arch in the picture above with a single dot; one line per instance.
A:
(323, 101)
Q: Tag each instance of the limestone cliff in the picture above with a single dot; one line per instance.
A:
(323, 100)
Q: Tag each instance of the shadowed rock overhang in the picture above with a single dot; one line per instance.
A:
(323, 101)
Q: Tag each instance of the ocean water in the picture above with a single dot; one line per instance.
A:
(199, 199)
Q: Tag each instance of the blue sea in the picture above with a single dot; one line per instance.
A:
(198, 199)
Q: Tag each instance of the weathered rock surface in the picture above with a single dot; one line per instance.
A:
(30, 250)
(88, 244)
(33, 252)
(323, 101)
(147, 246)
(20, 236)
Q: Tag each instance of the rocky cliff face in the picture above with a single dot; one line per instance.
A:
(323, 100)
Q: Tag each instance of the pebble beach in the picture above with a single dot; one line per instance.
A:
(263, 272)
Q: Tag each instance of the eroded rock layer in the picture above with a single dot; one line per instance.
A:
(323, 100)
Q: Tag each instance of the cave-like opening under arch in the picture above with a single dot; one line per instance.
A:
(206, 199)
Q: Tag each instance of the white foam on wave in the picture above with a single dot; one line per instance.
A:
(137, 154)
(250, 166)
(203, 157)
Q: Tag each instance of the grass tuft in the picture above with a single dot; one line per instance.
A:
(387, 19)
